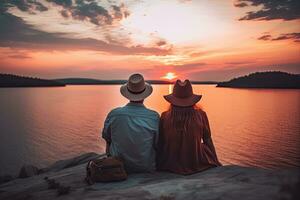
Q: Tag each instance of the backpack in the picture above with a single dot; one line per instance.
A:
(105, 169)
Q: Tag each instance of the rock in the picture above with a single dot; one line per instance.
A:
(5, 178)
(63, 164)
(224, 183)
(52, 184)
(28, 171)
(62, 190)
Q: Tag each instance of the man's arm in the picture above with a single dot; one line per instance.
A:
(106, 133)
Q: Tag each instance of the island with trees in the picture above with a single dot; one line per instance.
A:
(272, 79)
(9, 80)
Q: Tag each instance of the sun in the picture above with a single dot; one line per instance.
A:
(170, 76)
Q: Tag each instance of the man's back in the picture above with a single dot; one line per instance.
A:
(132, 131)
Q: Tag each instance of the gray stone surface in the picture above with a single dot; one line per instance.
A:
(28, 171)
(226, 182)
(62, 164)
(5, 178)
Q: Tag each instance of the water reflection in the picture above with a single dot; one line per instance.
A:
(249, 127)
(170, 88)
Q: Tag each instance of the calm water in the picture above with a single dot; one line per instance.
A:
(250, 127)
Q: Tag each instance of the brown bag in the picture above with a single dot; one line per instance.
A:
(105, 169)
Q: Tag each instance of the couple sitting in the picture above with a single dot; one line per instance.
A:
(179, 141)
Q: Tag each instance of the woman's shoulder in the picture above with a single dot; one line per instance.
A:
(200, 111)
(164, 114)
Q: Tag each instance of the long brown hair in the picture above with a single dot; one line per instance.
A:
(183, 117)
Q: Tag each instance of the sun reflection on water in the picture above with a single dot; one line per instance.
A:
(170, 88)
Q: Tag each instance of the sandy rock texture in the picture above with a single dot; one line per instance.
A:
(65, 180)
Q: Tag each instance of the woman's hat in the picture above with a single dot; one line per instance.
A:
(183, 94)
(136, 89)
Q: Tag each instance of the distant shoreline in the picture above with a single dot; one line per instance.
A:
(264, 80)
(262, 88)
(196, 83)
(258, 80)
(15, 81)
(33, 86)
(87, 81)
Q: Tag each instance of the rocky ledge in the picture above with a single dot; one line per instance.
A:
(65, 180)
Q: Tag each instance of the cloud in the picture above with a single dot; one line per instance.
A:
(13, 53)
(84, 10)
(120, 12)
(65, 13)
(240, 63)
(64, 3)
(271, 9)
(241, 5)
(161, 42)
(90, 10)
(190, 65)
(19, 56)
(23, 5)
(265, 37)
(288, 36)
(198, 54)
(285, 36)
(185, 1)
(15, 33)
(183, 68)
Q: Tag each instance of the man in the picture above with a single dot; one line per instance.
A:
(131, 131)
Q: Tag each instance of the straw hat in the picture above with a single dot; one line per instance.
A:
(136, 89)
(183, 94)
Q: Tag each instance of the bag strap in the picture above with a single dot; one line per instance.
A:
(88, 177)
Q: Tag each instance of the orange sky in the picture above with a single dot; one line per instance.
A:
(200, 40)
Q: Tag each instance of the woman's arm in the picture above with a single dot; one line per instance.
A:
(159, 138)
(107, 148)
(207, 137)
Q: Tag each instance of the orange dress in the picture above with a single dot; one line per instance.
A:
(185, 152)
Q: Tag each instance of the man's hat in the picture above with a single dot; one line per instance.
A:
(136, 89)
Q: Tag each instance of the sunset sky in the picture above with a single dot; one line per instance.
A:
(110, 39)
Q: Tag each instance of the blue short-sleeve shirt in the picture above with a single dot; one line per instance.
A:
(132, 131)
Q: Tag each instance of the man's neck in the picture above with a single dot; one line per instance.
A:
(137, 102)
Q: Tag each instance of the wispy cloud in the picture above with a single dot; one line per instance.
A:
(13, 54)
(265, 37)
(19, 56)
(240, 63)
(16, 33)
(285, 36)
(241, 4)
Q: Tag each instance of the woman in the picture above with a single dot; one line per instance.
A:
(182, 129)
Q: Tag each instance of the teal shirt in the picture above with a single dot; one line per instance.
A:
(132, 131)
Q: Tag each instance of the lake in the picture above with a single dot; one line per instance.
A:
(250, 127)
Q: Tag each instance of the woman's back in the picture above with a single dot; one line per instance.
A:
(184, 141)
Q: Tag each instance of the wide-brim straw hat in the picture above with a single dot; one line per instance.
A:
(136, 89)
(183, 95)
